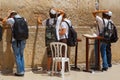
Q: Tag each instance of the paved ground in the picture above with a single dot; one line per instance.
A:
(112, 74)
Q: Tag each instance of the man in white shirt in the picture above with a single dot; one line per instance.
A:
(102, 22)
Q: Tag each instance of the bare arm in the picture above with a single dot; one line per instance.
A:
(4, 21)
(61, 12)
(98, 11)
(62, 31)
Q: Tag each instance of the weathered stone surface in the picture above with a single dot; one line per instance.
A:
(78, 11)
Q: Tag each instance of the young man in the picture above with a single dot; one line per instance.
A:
(63, 33)
(108, 47)
(50, 35)
(18, 47)
(54, 21)
(102, 22)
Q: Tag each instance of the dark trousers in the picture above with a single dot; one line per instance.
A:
(109, 55)
(64, 41)
(63, 54)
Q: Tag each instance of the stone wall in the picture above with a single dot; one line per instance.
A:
(78, 11)
(114, 7)
(35, 50)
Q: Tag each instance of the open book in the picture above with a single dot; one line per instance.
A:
(90, 35)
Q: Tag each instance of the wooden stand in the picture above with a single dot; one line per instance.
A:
(76, 52)
(87, 51)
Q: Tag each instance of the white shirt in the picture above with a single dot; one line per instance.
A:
(65, 25)
(59, 19)
(11, 21)
(101, 24)
(62, 24)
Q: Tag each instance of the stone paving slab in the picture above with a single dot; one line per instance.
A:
(112, 74)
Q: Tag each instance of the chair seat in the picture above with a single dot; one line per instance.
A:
(60, 59)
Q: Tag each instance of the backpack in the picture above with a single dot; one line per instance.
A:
(50, 32)
(109, 33)
(72, 36)
(1, 32)
(20, 29)
(114, 36)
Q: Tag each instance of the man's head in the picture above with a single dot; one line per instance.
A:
(52, 13)
(12, 14)
(107, 15)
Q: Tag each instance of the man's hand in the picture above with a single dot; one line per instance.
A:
(39, 20)
(99, 11)
(4, 21)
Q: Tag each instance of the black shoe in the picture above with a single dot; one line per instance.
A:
(17, 74)
(110, 66)
(104, 69)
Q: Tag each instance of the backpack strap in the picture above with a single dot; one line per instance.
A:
(112, 24)
(67, 24)
(47, 22)
(104, 23)
(98, 27)
(19, 18)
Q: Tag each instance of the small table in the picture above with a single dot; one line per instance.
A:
(87, 36)
(76, 52)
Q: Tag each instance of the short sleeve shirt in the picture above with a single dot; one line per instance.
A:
(100, 23)
(64, 25)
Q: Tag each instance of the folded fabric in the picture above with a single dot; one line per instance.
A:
(59, 19)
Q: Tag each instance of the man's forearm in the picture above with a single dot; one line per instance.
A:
(99, 11)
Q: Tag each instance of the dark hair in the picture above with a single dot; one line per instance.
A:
(12, 14)
(52, 15)
(105, 16)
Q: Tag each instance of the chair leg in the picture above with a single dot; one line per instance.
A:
(56, 66)
(69, 65)
(53, 64)
(63, 68)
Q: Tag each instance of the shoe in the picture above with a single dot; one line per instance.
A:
(104, 69)
(110, 66)
(18, 74)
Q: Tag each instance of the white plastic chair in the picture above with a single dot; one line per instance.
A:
(57, 51)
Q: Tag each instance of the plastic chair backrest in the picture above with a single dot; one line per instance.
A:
(58, 49)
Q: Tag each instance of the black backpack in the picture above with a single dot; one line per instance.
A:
(114, 36)
(50, 32)
(20, 29)
(72, 36)
(109, 34)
